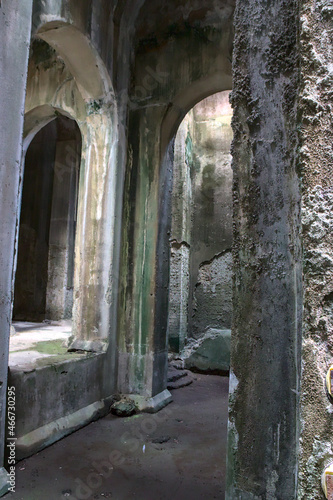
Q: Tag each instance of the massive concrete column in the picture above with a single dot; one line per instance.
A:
(144, 286)
(15, 26)
(265, 361)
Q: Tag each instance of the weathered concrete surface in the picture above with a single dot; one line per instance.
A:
(44, 436)
(75, 380)
(15, 26)
(200, 289)
(209, 144)
(212, 304)
(58, 85)
(211, 353)
(317, 200)
(266, 344)
(178, 295)
(164, 90)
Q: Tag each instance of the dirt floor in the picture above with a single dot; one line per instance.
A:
(176, 454)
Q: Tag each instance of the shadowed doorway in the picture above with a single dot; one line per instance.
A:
(45, 261)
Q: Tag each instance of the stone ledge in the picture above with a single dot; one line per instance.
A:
(48, 434)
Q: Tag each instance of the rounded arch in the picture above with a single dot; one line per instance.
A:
(186, 100)
(80, 57)
(199, 158)
(44, 259)
(77, 85)
(37, 118)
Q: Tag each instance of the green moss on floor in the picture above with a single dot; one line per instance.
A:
(51, 347)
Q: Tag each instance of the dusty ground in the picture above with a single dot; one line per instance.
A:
(177, 454)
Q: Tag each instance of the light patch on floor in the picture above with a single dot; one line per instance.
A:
(33, 341)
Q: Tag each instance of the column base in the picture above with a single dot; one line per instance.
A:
(150, 405)
(4, 481)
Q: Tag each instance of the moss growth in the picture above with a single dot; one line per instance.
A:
(51, 347)
(95, 106)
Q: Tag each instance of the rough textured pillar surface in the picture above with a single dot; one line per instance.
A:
(264, 383)
(316, 165)
(15, 25)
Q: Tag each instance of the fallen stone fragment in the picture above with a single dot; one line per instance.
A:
(175, 374)
(209, 354)
(181, 382)
(123, 408)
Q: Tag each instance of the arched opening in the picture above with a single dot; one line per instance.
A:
(68, 193)
(200, 283)
(194, 284)
(45, 260)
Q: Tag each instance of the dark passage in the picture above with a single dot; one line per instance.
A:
(44, 275)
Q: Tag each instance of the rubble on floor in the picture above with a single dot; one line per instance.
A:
(208, 354)
(177, 377)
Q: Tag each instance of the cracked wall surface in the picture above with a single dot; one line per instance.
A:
(202, 214)
(213, 295)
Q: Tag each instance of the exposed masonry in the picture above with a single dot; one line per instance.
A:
(213, 294)
(317, 201)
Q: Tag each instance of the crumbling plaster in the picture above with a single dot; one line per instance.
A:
(316, 168)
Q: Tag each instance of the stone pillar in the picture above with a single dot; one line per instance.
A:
(179, 285)
(143, 349)
(15, 26)
(94, 243)
(265, 360)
